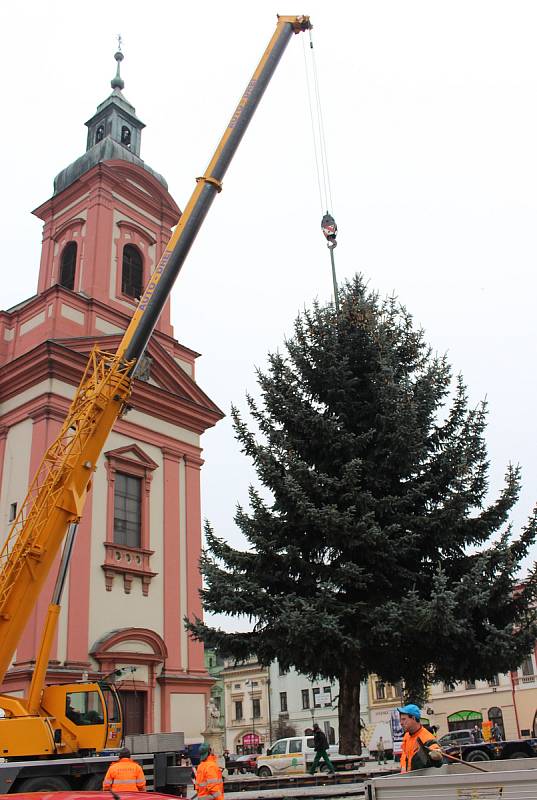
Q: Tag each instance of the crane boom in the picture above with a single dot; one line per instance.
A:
(57, 494)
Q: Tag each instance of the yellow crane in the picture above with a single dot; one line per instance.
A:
(48, 721)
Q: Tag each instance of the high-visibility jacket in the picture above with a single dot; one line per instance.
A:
(125, 775)
(413, 756)
(208, 783)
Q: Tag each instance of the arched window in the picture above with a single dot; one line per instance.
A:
(68, 266)
(133, 272)
(126, 136)
(496, 717)
(99, 135)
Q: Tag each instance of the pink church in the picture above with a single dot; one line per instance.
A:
(134, 575)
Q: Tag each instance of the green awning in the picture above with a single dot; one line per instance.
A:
(463, 716)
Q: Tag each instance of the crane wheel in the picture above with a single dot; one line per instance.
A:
(94, 783)
(44, 784)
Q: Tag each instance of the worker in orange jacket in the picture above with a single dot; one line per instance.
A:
(208, 783)
(420, 748)
(124, 775)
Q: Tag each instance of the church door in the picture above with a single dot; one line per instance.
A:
(133, 704)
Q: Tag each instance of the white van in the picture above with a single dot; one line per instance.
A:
(295, 755)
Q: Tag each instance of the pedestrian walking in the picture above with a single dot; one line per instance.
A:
(320, 745)
(124, 775)
(208, 782)
(381, 751)
(420, 748)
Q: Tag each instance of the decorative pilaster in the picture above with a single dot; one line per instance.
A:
(172, 558)
(193, 547)
(46, 427)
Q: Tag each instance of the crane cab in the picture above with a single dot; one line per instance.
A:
(88, 715)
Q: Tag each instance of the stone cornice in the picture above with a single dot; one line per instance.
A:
(51, 360)
(114, 174)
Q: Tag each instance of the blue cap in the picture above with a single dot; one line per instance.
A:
(204, 751)
(412, 710)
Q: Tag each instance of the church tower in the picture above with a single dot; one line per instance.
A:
(134, 574)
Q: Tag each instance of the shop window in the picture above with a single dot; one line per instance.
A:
(68, 265)
(132, 274)
(462, 720)
(495, 715)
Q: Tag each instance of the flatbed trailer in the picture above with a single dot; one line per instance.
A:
(162, 772)
(496, 780)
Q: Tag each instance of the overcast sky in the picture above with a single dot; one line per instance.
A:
(431, 129)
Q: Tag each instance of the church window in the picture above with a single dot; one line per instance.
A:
(99, 135)
(68, 266)
(133, 271)
(127, 510)
(127, 554)
(126, 136)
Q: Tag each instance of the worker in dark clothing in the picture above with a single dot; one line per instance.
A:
(320, 745)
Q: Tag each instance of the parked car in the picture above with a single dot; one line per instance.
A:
(249, 762)
(463, 736)
(241, 764)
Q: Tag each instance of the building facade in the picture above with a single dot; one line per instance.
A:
(247, 707)
(272, 704)
(509, 700)
(297, 703)
(134, 574)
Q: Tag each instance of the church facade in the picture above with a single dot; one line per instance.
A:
(134, 575)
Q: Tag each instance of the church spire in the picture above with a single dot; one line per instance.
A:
(114, 133)
(118, 82)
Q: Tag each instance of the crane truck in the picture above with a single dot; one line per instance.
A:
(44, 728)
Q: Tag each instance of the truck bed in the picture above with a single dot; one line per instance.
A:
(515, 780)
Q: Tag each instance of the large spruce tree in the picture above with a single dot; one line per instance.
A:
(379, 550)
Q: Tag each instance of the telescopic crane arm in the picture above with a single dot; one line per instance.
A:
(57, 494)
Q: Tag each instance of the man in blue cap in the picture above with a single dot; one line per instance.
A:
(420, 748)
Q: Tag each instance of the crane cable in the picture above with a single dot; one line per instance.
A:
(328, 223)
(317, 128)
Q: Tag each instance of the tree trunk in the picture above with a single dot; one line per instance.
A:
(349, 711)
